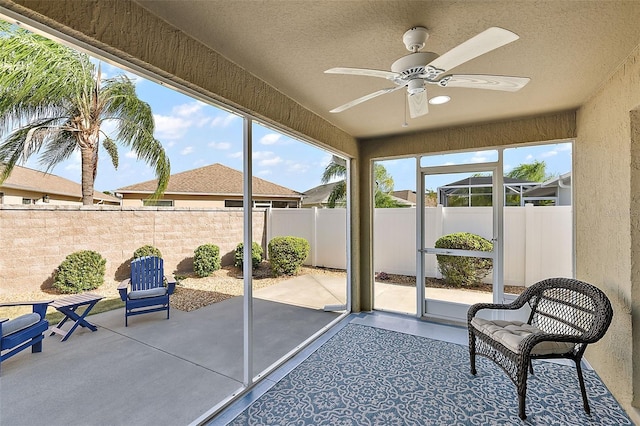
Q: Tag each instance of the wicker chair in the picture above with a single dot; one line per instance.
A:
(566, 315)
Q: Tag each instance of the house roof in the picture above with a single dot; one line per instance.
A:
(26, 179)
(319, 194)
(487, 181)
(215, 179)
(549, 188)
(405, 194)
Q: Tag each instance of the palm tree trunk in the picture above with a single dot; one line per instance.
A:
(88, 160)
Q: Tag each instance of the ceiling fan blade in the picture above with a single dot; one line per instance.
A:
(365, 98)
(480, 44)
(490, 82)
(363, 71)
(418, 104)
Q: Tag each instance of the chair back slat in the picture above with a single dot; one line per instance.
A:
(568, 306)
(147, 273)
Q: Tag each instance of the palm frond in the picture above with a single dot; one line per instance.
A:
(338, 195)
(38, 77)
(333, 171)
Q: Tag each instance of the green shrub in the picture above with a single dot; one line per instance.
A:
(256, 255)
(206, 259)
(461, 271)
(147, 250)
(80, 271)
(286, 254)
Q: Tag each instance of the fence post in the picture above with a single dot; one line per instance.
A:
(314, 237)
(529, 245)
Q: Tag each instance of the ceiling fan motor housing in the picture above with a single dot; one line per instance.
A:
(415, 38)
(413, 65)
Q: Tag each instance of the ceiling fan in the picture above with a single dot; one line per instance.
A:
(417, 69)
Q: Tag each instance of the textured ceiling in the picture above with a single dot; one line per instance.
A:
(567, 48)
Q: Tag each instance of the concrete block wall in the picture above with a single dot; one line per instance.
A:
(34, 240)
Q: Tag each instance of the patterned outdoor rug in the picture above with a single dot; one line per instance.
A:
(371, 376)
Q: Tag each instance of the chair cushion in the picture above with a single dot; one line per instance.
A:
(19, 323)
(511, 333)
(152, 292)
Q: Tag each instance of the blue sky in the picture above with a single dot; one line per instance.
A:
(195, 134)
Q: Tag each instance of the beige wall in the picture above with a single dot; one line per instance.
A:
(36, 239)
(607, 201)
(15, 196)
(204, 201)
(606, 169)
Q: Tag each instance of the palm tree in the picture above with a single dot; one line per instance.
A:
(53, 101)
(337, 169)
(534, 172)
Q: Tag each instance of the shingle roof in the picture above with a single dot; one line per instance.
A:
(211, 180)
(26, 179)
(319, 194)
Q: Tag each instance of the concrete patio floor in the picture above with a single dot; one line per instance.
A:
(159, 372)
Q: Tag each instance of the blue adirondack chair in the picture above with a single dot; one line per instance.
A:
(148, 289)
(26, 330)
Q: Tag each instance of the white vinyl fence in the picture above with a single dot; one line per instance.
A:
(537, 240)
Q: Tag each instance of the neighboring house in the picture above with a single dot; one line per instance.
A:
(318, 196)
(477, 191)
(557, 190)
(28, 186)
(213, 186)
(410, 197)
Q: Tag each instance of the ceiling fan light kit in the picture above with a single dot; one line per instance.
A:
(417, 69)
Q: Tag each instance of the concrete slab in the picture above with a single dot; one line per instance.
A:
(309, 291)
(154, 372)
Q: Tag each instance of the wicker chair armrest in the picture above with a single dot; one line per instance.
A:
(473, 309)
(527, 344)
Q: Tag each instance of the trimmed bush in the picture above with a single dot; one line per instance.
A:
(147, 250)
(206, 259)
(287, 254)
(463, 271)
(80, 271)
(256, 255)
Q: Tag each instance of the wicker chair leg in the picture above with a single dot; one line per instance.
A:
(472, 355)
(522, 389)
(582, 388)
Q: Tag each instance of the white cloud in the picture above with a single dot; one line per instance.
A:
(224, 120)
(264, 172)
(182, 118)
(295, 167)
(548, 154)
(449, 163)
(170, 127)
(237, 154)
(563, 147)
(261, 155)
(270, 139)
(529, 157)
(187, 150)
(131, 154)
(219, 145)
(478, 159)
(270, 161)
(188, 110)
